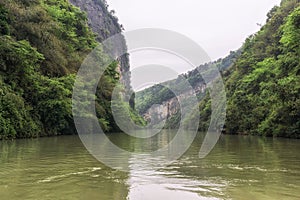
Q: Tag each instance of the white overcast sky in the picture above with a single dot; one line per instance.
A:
(218, 26)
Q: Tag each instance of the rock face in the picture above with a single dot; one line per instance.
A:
(100, 19)
(171, 107)
(105, 25)
(158, 113)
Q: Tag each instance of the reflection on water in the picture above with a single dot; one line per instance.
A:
(147, 182)
(238, 168)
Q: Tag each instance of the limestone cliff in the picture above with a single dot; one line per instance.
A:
(105, 24)
(170, 109)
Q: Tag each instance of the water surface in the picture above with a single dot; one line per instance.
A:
(239, 167)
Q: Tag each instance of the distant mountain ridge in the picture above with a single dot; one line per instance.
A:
(169, 108)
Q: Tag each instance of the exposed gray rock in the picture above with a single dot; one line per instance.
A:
(105, 25)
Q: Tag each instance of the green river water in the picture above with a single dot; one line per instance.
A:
(239, 167)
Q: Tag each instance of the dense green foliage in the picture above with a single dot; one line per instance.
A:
(264, 87)
(31, 103)
(42, 45)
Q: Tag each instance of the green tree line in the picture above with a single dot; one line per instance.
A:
(263, 86)
(42, 45)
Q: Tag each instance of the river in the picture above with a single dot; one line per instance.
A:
(239, 167)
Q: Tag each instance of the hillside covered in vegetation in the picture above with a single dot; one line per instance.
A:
(164, 93)
(146, 98)
(262, 83)
(263, 87)
(42, 45)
